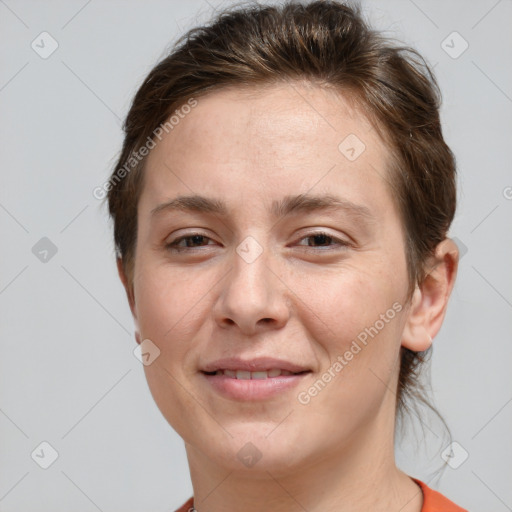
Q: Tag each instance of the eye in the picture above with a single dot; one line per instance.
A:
(324, 240)
(191, 241)
(320, 240)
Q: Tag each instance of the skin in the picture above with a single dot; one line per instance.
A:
(304, 304)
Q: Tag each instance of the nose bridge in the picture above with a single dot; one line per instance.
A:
(252, 294)
(250, 273)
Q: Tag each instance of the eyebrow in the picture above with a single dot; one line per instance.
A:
(292, 204)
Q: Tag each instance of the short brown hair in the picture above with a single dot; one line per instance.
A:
(330, 44)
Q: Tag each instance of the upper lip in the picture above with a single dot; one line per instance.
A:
(253, 365)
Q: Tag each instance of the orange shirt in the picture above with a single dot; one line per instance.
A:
(433, 501)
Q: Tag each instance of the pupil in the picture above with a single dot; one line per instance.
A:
(196, 239)
(323, 238)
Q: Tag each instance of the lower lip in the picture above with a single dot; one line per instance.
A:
(253, 389)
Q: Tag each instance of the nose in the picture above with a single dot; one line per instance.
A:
(254, 298)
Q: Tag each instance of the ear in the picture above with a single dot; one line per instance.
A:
(430, 299)
(128, 286)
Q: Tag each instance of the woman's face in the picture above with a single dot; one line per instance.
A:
(271, 276)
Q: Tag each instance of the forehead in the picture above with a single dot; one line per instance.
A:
(287, 136)
(278, 116)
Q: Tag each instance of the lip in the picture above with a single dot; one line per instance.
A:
(257, 364)
(253, 389)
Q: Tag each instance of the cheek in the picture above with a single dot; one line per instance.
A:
(169, 305)
(343, 303)
(169, 310)
(166, 291)
(356, 319)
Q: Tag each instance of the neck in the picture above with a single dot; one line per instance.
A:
(358, 477)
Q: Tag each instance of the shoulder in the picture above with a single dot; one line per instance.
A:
(434, 501)
(188, 506)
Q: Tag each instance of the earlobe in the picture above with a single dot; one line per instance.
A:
(416, 336)
(430, 299)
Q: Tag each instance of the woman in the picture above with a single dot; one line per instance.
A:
(281, 208)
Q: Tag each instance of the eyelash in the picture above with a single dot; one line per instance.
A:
(173, 246)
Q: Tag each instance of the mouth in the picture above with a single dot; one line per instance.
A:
(257, 379)
(258, 375)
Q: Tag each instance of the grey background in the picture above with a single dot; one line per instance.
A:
(67, 372)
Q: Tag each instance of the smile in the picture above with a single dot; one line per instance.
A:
(247, 375)
(246, 386)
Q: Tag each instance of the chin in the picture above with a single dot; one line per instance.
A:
(252, 450)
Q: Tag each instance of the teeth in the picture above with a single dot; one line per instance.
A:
(246, 375)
